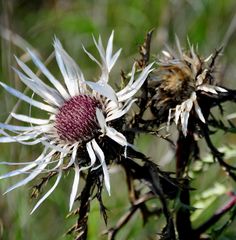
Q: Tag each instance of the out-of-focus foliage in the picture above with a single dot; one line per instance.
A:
(208, 23)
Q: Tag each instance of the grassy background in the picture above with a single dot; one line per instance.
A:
(208, 23)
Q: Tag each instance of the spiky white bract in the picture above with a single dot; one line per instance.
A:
(111, 105)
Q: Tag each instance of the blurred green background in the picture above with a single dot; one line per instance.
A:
(207, 23)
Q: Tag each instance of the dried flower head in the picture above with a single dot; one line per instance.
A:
(178, 80)
(80, 112)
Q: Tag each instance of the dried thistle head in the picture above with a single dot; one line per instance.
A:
(179, 80)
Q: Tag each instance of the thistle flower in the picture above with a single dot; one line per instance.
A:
(178, 80)
(79, 111)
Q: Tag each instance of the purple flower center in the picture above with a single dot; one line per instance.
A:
(76, 119)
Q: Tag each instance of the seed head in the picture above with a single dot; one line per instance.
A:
(178, 83)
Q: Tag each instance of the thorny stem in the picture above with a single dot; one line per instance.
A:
(81, 227)
(183, 153)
